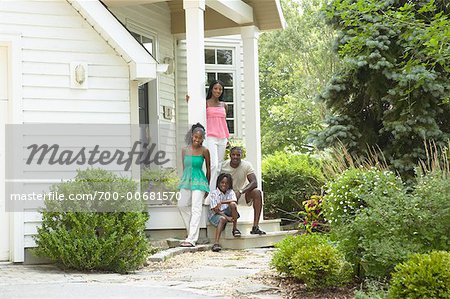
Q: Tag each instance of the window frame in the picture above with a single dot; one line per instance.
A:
(233, 69)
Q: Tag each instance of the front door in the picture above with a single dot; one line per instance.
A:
(4, 217)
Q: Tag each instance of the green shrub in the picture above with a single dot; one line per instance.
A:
(372, 289)
(94, 234)
(282, 259)
(346, 194)
(289, 179)
(313, 260)
(391, 223)
(383, 230)
(381, 235)
(161, 184)
(321, 266)
(433, 198)
(422, 276)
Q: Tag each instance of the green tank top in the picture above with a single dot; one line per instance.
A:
(193, 176)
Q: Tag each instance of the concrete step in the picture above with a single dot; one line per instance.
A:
(254, 241)
(245, 227)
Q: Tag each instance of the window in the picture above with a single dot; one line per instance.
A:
(149, 44)
(147, 94)
(220, 66)
(146, 41)
(219, 56)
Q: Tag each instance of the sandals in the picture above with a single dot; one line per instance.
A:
(236, 233)
(186, 244)
(216, 248)
(256, 231)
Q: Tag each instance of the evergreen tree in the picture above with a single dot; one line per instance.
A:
(394, 89)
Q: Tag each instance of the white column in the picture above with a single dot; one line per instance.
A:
(251, 92)
(195, 44)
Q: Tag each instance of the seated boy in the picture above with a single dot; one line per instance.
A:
(223, 204)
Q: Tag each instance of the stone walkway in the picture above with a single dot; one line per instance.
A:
(227, 274)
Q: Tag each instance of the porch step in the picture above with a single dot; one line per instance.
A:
(254, 241)
(244, 227)
(272, 236)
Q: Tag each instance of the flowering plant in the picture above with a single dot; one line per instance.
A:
(313, 214)
(346, 195)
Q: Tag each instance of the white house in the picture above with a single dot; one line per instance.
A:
(126, 62)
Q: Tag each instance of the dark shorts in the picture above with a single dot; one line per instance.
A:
(215, 218)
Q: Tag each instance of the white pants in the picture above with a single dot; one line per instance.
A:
(216, 147)
(190, 207)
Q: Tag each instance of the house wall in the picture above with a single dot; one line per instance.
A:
(4, 216)
(54, 35)
(155, 19)
(232, 41)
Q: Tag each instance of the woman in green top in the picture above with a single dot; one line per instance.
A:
(194, 185)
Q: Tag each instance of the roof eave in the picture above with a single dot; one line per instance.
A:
(142, 66)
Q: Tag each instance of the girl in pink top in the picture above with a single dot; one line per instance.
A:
(216, 128)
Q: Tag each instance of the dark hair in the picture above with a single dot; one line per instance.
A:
(225, 175)
(235, 148)
(198, 127)
(210, 88)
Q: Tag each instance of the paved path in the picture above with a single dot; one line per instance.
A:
(228, 274)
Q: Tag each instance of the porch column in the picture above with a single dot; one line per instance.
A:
(250, 36)
(195, 45)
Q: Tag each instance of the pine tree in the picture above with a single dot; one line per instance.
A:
(394, 89)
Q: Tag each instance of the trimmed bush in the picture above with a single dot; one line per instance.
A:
(97, 234)
(423, 276)
(282, 259)
(289, 179)
(313, 260)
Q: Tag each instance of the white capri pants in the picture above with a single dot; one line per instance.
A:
(216, 147)
(190, 207)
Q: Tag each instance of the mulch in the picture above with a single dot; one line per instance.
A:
(292, 288)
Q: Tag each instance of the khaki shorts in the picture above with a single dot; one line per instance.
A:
(243, 202)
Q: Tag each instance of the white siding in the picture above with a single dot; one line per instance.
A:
(155, 19)
(4, 217)
(53, 35)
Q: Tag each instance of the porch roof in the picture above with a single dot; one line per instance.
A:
(143, 67)
(266, 14)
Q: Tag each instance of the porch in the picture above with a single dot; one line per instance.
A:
(192, 23)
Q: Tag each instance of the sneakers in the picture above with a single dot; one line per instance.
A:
(256, 231)
(216, 248)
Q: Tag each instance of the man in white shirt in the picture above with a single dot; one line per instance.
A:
(245, 185)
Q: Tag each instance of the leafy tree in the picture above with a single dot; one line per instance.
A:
(394, 88)
(294, 64)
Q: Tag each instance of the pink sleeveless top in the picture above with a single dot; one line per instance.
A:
(216, 123)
